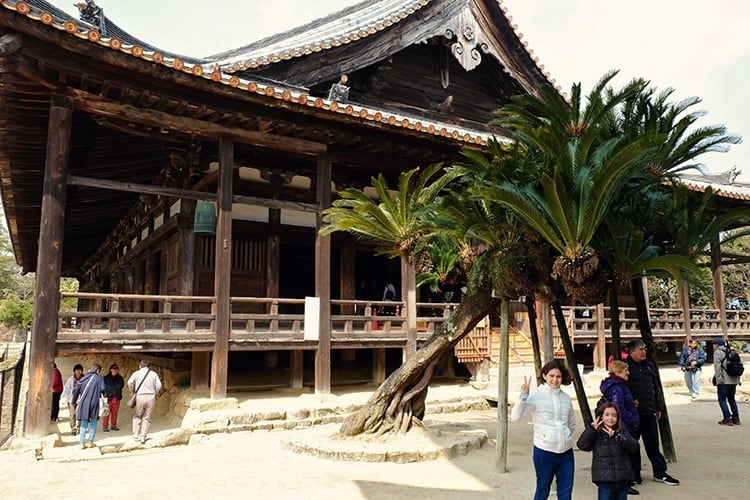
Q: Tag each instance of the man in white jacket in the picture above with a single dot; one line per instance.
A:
(145, 384)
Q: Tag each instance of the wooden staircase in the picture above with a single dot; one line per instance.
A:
(483, 344)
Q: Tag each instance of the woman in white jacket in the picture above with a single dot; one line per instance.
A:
(554, 422)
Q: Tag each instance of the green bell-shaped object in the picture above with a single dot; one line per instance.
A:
(204, 222)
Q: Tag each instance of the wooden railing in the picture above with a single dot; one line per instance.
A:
(134, 315)
(192, 318)
(666, 324)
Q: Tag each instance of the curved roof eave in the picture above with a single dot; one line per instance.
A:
(258, 87)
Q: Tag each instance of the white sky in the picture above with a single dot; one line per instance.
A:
(699, 48)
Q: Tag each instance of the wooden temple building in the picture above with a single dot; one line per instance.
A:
(110, 148)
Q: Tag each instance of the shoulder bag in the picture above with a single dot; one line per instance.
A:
(131, 401)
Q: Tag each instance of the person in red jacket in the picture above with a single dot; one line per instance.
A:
(57, 389)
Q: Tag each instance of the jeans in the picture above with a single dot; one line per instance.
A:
(89, 426)
(726, 394)
(549, 465)
(611, 490)
(649, 430)
(693, 381)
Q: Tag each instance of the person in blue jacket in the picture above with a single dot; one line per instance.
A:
(691, 362)
(86, 396)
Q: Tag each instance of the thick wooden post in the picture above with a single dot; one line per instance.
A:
(348, 280)
(378, 365)
(323, 279)
(719, 300)
(200, 366)
(409, 293)
(273, 254)
(48, 268)
(297, 369)
(223, 270)
(545, 320)
(600, 350)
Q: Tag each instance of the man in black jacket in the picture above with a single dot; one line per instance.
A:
(650, 402)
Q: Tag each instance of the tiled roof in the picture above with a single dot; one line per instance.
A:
(41, 11)
(724, 188)
(351, 24)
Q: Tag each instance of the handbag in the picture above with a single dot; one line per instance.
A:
(103, 406)
(131, 401)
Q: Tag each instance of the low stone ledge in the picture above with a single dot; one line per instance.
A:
(434, 441)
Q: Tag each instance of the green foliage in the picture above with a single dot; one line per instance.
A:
(16, 313)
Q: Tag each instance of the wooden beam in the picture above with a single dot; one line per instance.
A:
(96, 105)
(323, 279)
(132, 187)
(49, 262)
(223, 271)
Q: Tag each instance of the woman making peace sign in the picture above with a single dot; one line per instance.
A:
(554, 422)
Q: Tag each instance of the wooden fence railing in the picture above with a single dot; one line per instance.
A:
(135, 315)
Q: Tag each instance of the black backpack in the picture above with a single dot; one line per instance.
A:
(732, 363)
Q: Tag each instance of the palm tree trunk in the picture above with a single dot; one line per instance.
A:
(399, 402)
(644, 324)
(562, 327)
(501, 448)
(534, 338)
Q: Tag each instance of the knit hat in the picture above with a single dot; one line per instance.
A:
(718, 341)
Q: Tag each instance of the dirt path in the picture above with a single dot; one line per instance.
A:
(253, 465)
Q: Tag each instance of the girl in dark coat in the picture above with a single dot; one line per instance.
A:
(86, 396)
(611, 443)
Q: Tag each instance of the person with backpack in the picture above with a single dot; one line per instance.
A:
(726, 383)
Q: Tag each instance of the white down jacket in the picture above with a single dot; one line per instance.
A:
(552, 413)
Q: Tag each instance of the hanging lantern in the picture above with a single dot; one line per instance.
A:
(204, 222)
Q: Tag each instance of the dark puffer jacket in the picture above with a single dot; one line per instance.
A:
(616, 390)
(643, 384)
(611, 462)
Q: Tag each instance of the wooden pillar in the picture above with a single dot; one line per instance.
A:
(273, 254)
(348, 281)
(600, 350)
(719, 301)
(297, 369)
(545, 324)
(378, 365)
(223, 270)
(409, 293)
(323, 279)
(186, 254)
(150, 287)
(49, 261)
(199, 370)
